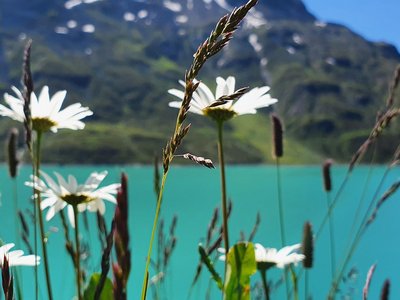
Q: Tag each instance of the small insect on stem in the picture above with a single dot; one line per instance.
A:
(198, 159)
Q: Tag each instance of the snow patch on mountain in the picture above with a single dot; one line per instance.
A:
(253, 40)
(61, 30)
(189, 4)
(255, 19)
(142, 14)
(181, 19)
(173, 6)
(223, 4)
(72, 3)
(129, 17)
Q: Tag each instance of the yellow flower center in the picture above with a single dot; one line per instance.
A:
(75, 199)
(219, 114)
(42, 124)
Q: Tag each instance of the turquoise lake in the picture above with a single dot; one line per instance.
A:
(192, 193)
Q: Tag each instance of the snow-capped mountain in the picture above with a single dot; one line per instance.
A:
(123, 55)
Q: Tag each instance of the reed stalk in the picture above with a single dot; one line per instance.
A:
(331, 237)
(277, 142)
(326, 171)
(307, 248)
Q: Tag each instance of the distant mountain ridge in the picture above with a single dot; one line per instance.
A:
(120, 58)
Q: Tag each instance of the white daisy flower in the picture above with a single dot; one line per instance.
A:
(203, 97)
(270, 257)
(16, 257)
(45, 111)
(279, 258)
(58, 195)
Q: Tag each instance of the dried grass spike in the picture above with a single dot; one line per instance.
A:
(28, 89)
(7, 280)
(237, 94)
(24, 225)
(393, 86)
(307, 246)
(12, 157)
(172, 227)
(105, 261)
(368, 281)
(200, 160)
(385, 290)
(277, 136)
(255, 227)
(217, 103)
(326, 172)
(393, 188)
(212, 225)
(121, 268)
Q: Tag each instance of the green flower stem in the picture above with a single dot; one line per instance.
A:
(40, 216)
(77, 253)
(153, 232)
(223, 186)
(294, 281)
(281, 219)
(265, 283)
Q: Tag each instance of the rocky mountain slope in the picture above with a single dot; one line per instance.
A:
(120, 58)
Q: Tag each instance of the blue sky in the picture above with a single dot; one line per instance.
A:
(376, 20)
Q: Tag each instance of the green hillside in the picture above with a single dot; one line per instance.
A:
(330, 82)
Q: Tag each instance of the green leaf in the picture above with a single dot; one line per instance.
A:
(241, 265)
(206, 260)
(106, 293)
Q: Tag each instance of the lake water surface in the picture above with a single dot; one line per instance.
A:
(192, 193)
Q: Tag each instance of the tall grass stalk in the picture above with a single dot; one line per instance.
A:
(363, 196)
(223, 188)
(217, 40)
(281, 219)
(28, 89)
(357, 238)
(153, 232)
(277, 141)
(326, 171)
